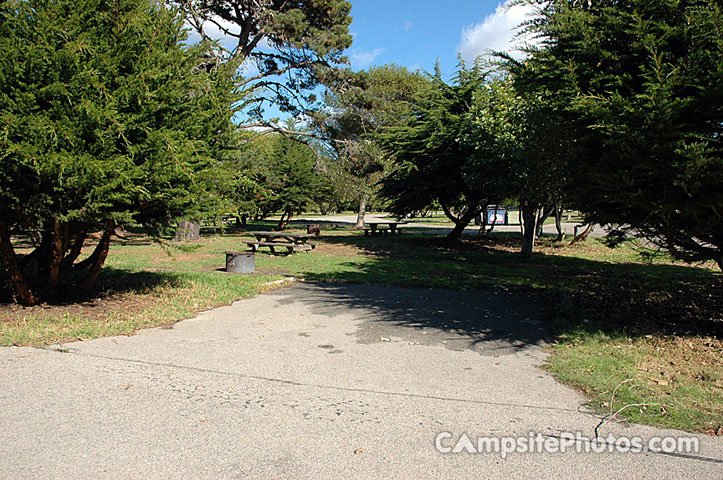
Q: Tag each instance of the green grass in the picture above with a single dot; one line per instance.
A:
(648, 330)
(675, 382)
(165, 299)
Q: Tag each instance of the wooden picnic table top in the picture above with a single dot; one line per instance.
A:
(376, 227)
(297, 238)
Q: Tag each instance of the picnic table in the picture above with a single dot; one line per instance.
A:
(291, 242)
(378, 227)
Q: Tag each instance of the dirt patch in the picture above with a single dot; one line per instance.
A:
(337, 249)
(686, 359)
(273, 271)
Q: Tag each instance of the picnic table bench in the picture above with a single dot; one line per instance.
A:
(383, 228)
(290, 242)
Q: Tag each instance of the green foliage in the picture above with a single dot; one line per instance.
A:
(282, 177)
(461, 149)
(360, 105)
(641, 82)
(103, 115)
(294, 182)
(499, 132)
(288, 43)
(364, 102)
(478, 142)
(104, 118)
(290, 46)
(432, 160)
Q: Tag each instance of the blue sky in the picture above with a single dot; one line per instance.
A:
(415, 33)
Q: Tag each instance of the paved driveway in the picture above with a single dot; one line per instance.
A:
(436, 229)
(312, 381)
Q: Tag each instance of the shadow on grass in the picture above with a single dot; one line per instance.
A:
(131, 240)
(578, 294)
(112, 281)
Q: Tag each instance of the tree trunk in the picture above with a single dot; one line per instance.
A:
(448, 213)
(12, 267)
(522, 224)
(283, 222)
(542, 216)
(43, 257)
(483, 231)
(188, 231)
(99, 255)
(583, 235)
(461, 223)
(57, 252)
(76, 249)
(538, 222)
(93, 258)
(362, 212)
(529, 214)
(558, 223)
(242, 219)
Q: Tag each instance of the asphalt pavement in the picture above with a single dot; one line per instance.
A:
(318, 381)
(434, 228)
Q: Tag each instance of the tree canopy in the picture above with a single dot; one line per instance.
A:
(359, 107)
(109, 116)
(455, 151)
(105, 118)
(287, 45)
(641, 81)
(281, 175)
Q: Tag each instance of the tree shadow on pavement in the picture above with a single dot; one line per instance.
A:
(489, 322)
(574, 293)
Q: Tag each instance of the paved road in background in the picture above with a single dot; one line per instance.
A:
(569, 227)
(312, 381)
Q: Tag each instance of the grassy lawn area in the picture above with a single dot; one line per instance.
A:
(628, 331)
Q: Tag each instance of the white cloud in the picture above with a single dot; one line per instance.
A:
(407, 25)
(214, 32)
(496, 32)
(362, 59)
(249, 68)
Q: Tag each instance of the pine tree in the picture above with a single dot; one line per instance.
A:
(640, 81)
(360, 106)
(451, 152)
(99, 116)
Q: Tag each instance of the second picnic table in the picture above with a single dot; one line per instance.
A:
(291, 242)
(377, 226)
